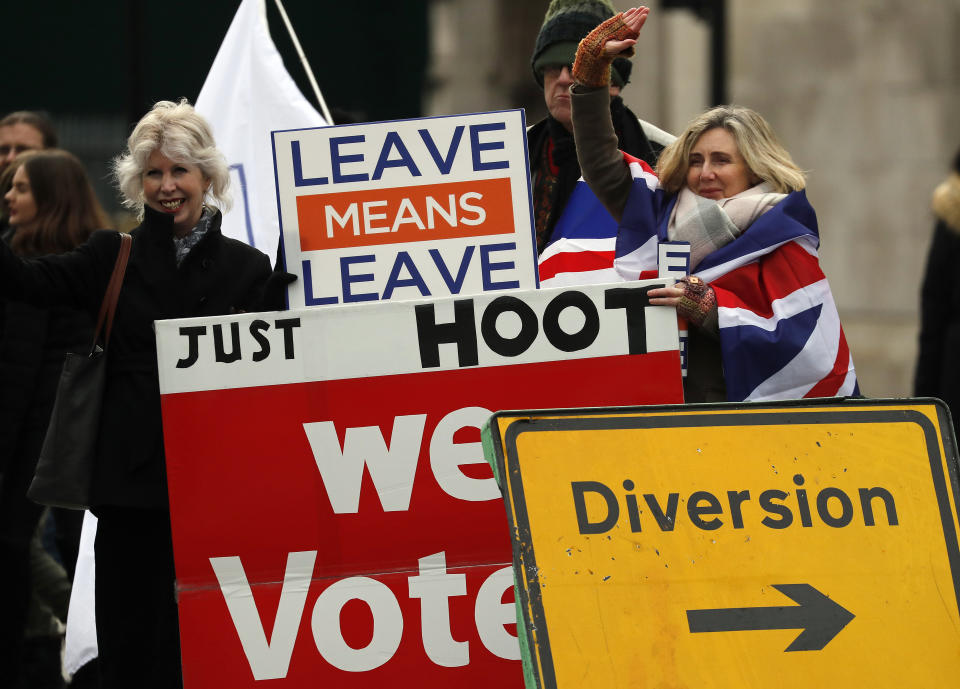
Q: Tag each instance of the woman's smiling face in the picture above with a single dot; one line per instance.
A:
(717, 170)
(176, 189)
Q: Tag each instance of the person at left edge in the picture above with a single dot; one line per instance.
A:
(180, 266)
(53, 209)
(24, 130)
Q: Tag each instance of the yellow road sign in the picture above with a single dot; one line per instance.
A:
(788, 544)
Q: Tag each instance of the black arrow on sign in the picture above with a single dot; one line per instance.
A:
(819, 617)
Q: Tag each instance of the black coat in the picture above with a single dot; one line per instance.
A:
(33, 342)
(938, 363)
(219, 276)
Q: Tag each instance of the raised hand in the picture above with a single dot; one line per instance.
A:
(616, 36)
(633, 20)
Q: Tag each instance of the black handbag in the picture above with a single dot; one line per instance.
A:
(65, 467)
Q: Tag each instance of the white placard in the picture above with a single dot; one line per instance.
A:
(407, 209)
(361, 341)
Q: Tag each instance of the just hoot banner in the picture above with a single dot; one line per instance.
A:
(334, 520)
(407, 209)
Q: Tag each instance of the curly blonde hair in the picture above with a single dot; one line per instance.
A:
(180, 133)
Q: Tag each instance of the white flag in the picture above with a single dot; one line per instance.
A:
(248, 94)
(80, 643)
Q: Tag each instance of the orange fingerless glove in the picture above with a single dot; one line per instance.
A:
(698, 299)
(592, 65)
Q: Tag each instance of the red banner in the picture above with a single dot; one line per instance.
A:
(348, 532)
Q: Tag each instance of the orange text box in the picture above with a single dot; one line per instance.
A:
(405, 214)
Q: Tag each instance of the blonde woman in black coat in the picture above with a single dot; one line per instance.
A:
(180, 266)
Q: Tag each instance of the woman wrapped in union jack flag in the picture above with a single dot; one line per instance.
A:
(763, 321)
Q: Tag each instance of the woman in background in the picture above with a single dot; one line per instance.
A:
(938, 362)
(52, 209)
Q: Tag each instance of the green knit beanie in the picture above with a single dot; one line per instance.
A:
(564, 25)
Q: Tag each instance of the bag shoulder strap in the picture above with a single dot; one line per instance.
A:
(109, 305)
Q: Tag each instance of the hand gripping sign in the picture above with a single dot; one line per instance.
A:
(406, 210)
(334, 520)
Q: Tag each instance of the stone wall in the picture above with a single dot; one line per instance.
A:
(864, 94)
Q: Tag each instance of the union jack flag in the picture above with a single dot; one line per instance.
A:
(780, 332)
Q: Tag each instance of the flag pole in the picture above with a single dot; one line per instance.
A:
(303, 61)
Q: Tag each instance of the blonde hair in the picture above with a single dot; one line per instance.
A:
(762, 152)
(180, 133)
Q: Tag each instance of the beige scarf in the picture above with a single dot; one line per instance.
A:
(709, 225)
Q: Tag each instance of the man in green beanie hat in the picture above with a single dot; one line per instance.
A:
(553, 157)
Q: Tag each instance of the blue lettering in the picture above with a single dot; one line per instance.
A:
(443, 164)
(337, 159)
(393, 140)
(308, 297)
(453, 284)
(487, 266)
(403, 260)
(478, 147)
(347, 279)
(298, 180)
